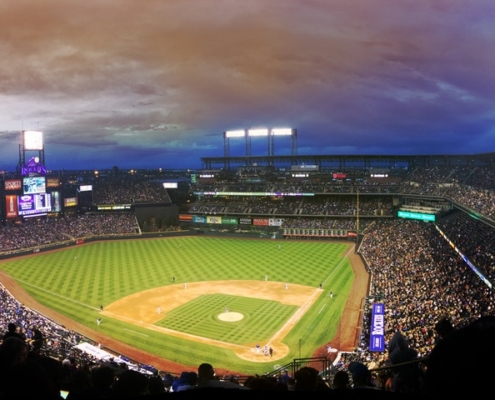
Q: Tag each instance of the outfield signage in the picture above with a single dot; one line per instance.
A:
(276, 221)
(229, 221)
(213, 220)
(185, 217)
(261, 221)
(377, 335)
(245, 221)
(199, 219)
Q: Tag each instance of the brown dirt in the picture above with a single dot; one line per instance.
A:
(142, 308)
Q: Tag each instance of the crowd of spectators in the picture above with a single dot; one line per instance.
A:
(471, 186)
(422, 281)
(328, 205)
(129, 192)
(34, 233)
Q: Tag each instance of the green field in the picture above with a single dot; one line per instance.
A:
(199, 317)
(75, 281)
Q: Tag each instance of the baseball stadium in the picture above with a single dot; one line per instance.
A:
(266, 268)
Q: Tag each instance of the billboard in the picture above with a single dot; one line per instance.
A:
(70, 201)
(52, 182)
(13, 184)
(377, 335)
(229, 221)
(11, 205)
(33, 184)
(213, 220)
(199, 219)
(85, 188)
(276, 221)
(56, 203)
(415, 215)
(113, 207)
(34, 204)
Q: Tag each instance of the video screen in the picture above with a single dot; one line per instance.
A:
(34, 204)
(34, 184)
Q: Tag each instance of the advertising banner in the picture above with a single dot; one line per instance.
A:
(70, 201)
(245, 221)
(377, 336)
(276, 221)
(33, 204)
(229, 221)
(13, 184)
(52, 182)
(185, 217)
(213, 220)
(199, 219)
(261, 221)
(56, 206)
(11, 203)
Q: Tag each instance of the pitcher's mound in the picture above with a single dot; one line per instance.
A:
(230, 316)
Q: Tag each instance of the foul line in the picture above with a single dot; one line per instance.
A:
(139, 333)
(296, 317)
(180, 334)
(57, 295)
(351, 249)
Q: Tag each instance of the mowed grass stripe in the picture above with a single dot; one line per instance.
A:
(200, 317)
(107, 271)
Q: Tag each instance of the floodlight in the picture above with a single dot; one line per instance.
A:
(33, 140)
(281, 131)
(238, 133)
(258, 132)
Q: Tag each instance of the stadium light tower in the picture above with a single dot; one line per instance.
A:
(248, 134)
(31, 141)
(283, 132)
(226, 143)
(257, 132)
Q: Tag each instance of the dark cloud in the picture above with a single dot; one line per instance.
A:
(156, 84)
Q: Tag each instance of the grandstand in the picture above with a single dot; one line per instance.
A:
(421, 271)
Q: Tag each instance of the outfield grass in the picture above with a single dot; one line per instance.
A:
(75, 281)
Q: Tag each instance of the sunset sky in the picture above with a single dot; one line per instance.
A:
(155, 83)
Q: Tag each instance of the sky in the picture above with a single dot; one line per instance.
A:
(156, 83)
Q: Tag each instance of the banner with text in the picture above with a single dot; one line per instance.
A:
(199, 219)
(213, 220)
(377, 336)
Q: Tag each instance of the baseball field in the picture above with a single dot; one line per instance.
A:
(194, 299)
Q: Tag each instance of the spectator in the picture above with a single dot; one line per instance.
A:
(207, 380)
